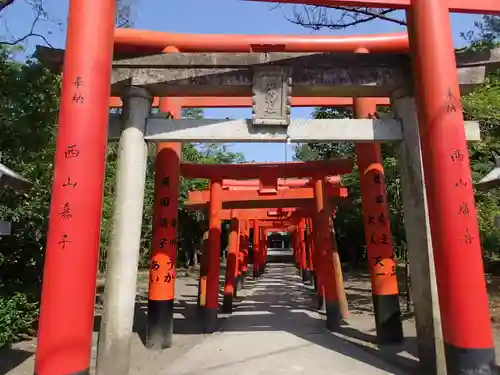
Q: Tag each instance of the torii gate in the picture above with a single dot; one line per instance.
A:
(467, 336)
(283, 197)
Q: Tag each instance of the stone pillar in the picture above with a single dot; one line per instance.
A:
(72, 250)
(418, 238)
(123, 256)
(375, 206)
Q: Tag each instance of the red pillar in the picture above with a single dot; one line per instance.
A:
(462, 292)
(303, 251)
(68, 292)
(375, 207)
(244, 258)
(256, 249)
(263, 251)
(164, 242)
(212, 303)
(202, 287)
(324, 246)
(309, 243)
(231, 266)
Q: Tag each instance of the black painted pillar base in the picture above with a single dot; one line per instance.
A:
(160, 324)
(467, 361)
(320, 302)
(333, 318)
(243, 278)
(306, 275)
(210, 320)
(388, 319)
(237, 285)
(227, 304)
(83, 372)
(256, 273)
(262, 270)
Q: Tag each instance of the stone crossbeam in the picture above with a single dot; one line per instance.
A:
(313, 74)
(299, 131)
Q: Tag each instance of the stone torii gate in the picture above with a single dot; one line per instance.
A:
(467, 336)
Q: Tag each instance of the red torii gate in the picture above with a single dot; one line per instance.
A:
(79, 175)
(200, 199)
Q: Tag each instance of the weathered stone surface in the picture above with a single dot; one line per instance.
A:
(313, 74)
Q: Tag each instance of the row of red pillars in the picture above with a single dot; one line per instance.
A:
(65, 325)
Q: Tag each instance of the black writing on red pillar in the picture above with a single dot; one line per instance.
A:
(78, 98)
(371, 220)
(155, 265)
(381, 219)
(393, 271)
(165, 223)
(461, 183)
(69, 183)
(65, 213)
(372, 240)
(451, 102)
(379, 199)
(384, 239)
(378, 263)
(64, 241)
(78, 82)
(377, 178)
(457, 155)
(464, 209)
(468, 237)
(165, 181)
(71, 152)
(165, 202)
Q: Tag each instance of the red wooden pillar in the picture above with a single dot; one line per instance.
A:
(263, 251)
(160, 318)
(462, 292)
(316, 257)
(378, 233)
(324, 247)
(310, 244)
(303, 250)
(256, 249)
(241, 243)
(215, 212)
(202, 285)
(68, 292)
(244, 257)
(231, 266)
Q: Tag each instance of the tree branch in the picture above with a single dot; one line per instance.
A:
(5, 3)
(317, 17)
(39, 13)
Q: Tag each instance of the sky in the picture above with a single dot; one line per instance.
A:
(203, 16)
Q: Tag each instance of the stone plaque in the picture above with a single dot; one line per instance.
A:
(271, 97)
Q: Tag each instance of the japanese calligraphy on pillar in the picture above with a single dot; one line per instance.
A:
(378, 232)
(70, 154)
(162, 267)
(465, 208)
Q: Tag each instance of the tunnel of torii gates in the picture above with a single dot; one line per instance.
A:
(453, 322)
